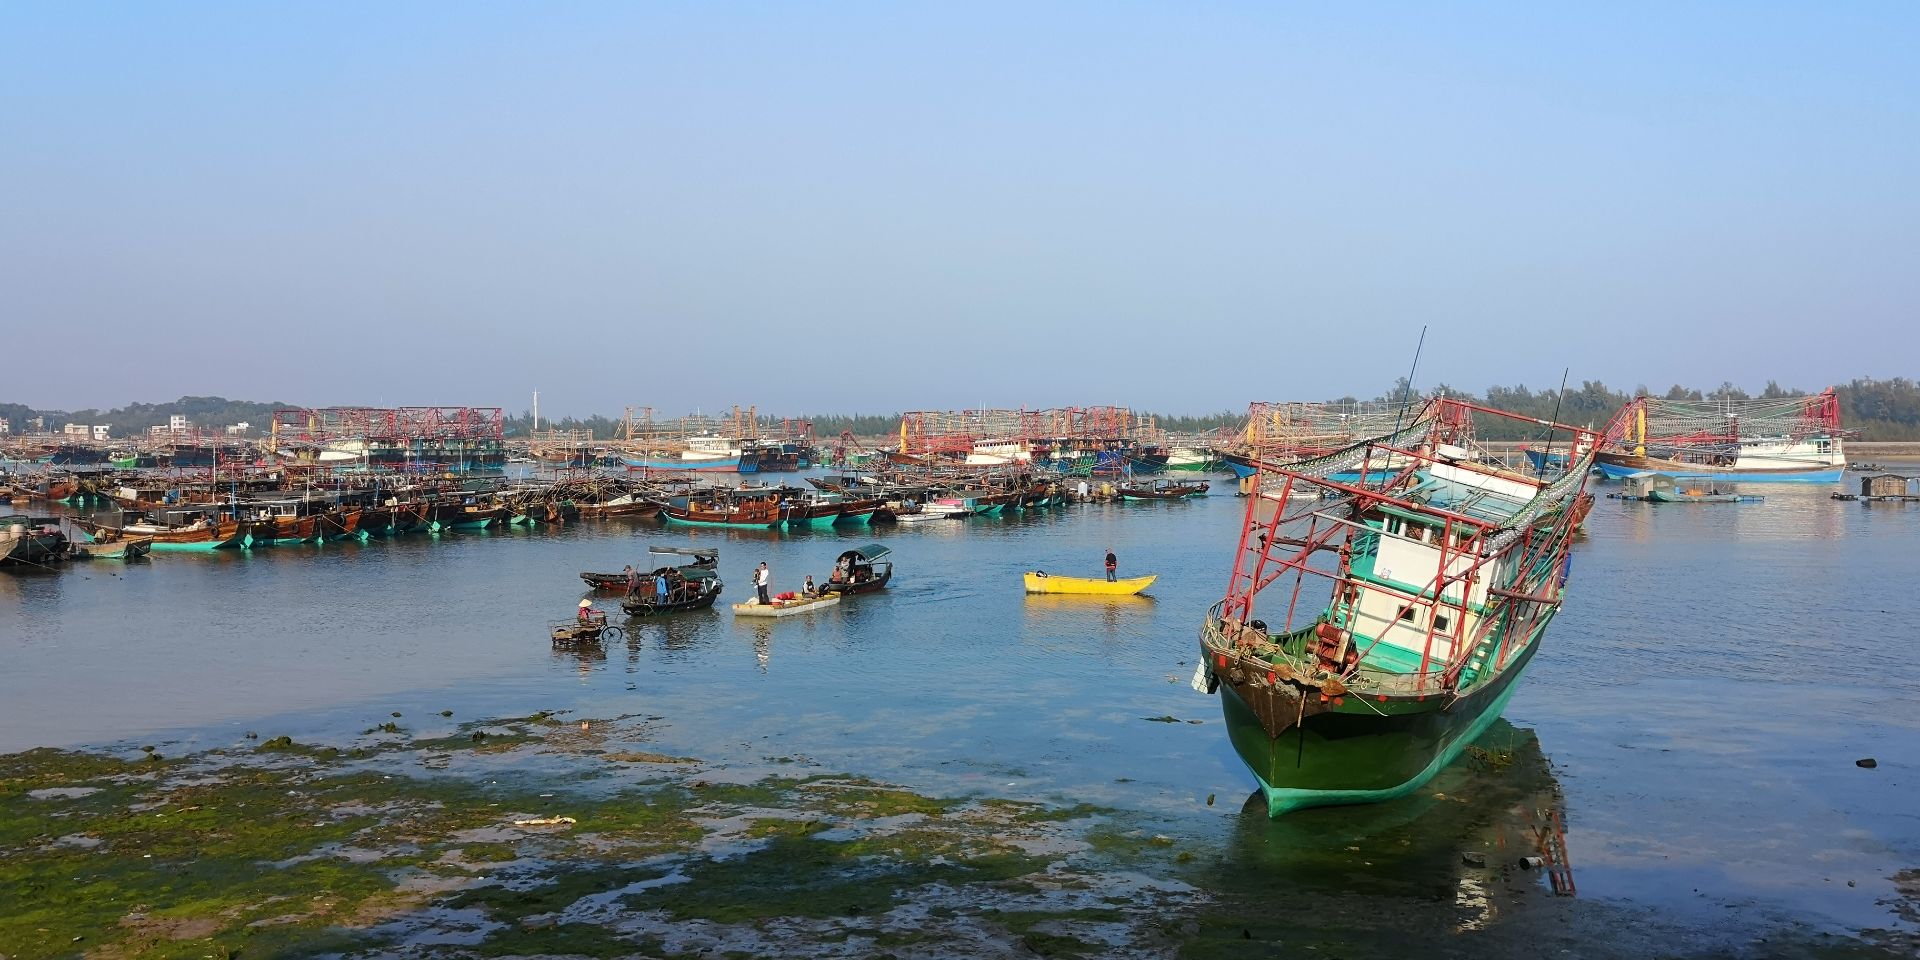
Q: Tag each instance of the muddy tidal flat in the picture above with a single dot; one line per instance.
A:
(372, 749)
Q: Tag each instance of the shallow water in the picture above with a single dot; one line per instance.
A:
(1695, 714)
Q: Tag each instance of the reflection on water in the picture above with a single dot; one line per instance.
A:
(1491, 803)
(1714, 674)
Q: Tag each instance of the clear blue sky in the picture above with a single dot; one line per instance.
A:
(839, 207)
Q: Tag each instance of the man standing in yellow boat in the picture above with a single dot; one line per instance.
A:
(1113, 564)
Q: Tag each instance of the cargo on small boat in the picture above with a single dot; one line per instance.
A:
(784, 607)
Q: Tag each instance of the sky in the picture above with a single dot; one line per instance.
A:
(841, 207)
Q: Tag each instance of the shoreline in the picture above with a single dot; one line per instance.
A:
(553, 835)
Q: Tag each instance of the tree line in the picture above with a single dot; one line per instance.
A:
(1877, 409)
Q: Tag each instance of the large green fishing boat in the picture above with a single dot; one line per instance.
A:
(1411, 602)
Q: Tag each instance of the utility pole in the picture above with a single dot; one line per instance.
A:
(536, 411)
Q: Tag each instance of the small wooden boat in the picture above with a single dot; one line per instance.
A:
(1162, 490)
(1039, 581)
(860, 570)
(1677, 495)
(925, 515)
(132, 548)
(785, 608)
(621, 506)
(691, 586)
(858, 510)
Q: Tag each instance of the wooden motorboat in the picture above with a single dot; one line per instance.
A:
(1039, 581)
(858, 509)
(860, 570)
(31, 540)
(132, 548)
(764, 513)
(690, 586)
(785, 608)
(801, 513)
(172, 530)
(1162, 490)
(625, 505)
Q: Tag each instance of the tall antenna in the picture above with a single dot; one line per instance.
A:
(536, 411)
(1408, 389)
(1540, 472)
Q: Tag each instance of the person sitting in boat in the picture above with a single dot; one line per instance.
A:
(807, 589)
(660, 589)
(587, 612)
(839, 574)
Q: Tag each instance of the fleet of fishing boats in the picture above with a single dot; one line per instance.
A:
(1391, 582)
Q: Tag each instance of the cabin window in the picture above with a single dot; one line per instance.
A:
(1407, 614)
(1441, 622)
(1393, 524)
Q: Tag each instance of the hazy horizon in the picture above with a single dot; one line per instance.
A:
(870, 208)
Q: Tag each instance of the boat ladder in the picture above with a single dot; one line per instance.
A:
(1551, 837)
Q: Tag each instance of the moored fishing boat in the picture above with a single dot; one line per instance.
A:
(131, 548)
(172, 530)
(1162, 490)
(1192, 460)
(858, 510)
(800, 513)
(761, 513)
(1774, 440)
(1442, 581)
(31, 541)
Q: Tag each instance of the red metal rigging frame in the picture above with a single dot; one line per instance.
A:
(1268, 551)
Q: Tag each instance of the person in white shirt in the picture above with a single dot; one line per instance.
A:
(760, 578)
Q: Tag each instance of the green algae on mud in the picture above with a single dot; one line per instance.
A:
(289, 848)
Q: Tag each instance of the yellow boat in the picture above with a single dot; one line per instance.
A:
(1039, 582)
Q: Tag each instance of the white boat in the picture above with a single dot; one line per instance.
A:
(928, 516)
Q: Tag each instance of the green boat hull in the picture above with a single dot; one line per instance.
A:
(676, 521)
(810, 523)
(1365, 751)
(160, 547)
(467, 524)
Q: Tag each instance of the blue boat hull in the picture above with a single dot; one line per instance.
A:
(721, 465)
(1831, 475)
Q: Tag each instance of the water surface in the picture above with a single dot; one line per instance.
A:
(1694, 717)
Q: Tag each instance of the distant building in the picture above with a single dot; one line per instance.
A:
(37, 425)
(5, 427)
(77, 430)
(239, 429)
(178, 423)
(100, 431)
